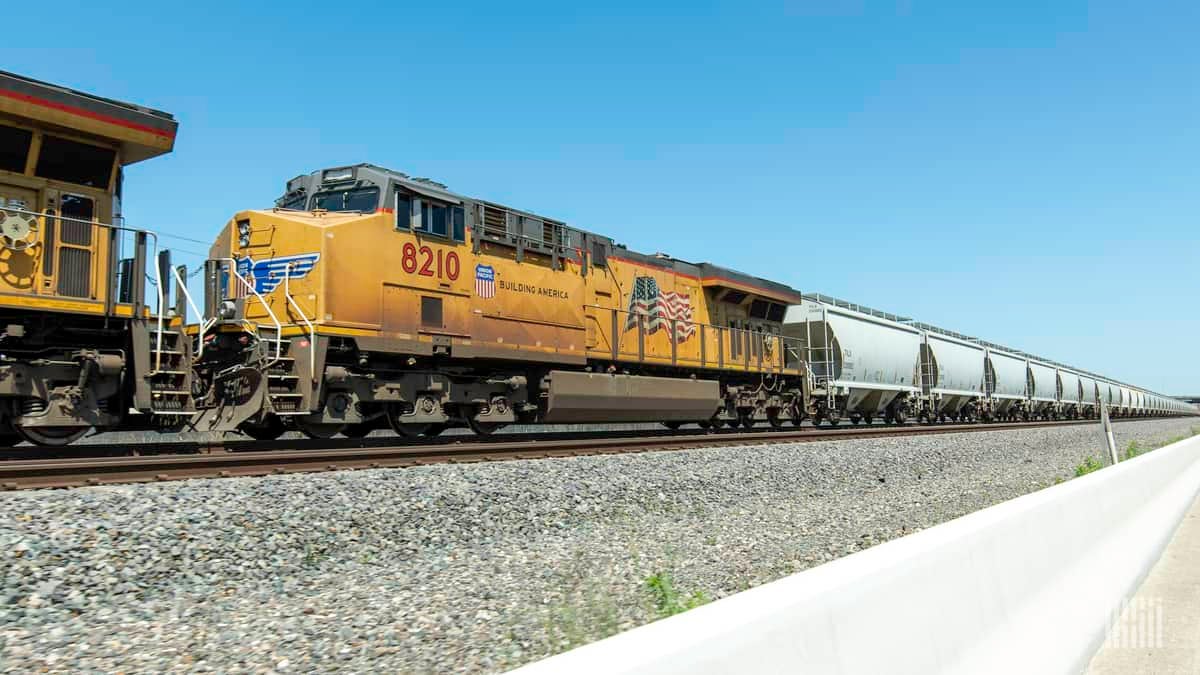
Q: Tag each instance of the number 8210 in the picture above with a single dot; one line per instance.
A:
(429, 263)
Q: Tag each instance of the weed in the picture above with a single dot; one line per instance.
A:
(584, 610)
(314, 555)
(1089, 465)
(667, 599)
(1136, 448)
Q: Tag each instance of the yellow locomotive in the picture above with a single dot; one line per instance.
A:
(369, 296)
(79, 348)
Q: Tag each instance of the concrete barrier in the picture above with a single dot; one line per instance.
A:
(1024, 586)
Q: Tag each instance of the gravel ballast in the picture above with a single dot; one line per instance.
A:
(477, 567)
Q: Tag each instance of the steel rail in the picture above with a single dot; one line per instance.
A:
(82, 471)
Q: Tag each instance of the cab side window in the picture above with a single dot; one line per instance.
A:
(429, 217)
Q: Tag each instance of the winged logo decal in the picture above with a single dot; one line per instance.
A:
(268, 273)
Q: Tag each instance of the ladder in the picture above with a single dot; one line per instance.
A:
(171, 379)
(283, 382)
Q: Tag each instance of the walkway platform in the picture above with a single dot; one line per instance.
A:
(1158, 631)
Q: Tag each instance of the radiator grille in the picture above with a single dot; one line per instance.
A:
(74, 271)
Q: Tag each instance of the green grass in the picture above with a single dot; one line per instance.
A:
(1135, 448)
(1088, 465)
(667, 599)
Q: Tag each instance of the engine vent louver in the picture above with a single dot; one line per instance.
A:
(74, 272)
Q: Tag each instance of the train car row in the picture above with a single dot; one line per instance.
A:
(869, 364)
(367, 298)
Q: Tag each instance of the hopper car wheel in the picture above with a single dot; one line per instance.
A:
(705, 424)
(774, 419)
(673, 426)
(319, 431)
(855, 419)
(53, 437)
(359, 430)
(268, 431)
(746, 420)
(867, 420)
(432, 430)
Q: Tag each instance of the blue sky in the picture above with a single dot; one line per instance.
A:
(1022, 173)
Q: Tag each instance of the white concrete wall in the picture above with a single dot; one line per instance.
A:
(1022, 587)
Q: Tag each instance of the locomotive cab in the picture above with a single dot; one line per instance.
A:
(68, 301)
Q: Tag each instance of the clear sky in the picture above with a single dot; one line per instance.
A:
(1028, 173)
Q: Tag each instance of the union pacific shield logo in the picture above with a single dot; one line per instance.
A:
(485, 281)
(268, 273)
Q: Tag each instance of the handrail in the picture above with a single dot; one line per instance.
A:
(749, 344)
(270, 313)
(59, 218)
(162, 302)
(312, 331)
(203, 322)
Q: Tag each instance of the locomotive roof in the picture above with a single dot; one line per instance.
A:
(708, 274)
(144, 132)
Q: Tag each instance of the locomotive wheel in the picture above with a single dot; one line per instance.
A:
(10, 439)
(359, 430)
(673, 426)
(489, 428)
(53, 437)
(319, 431)
(408, 430)
(268, 431)
(411, 430)
(432, 430)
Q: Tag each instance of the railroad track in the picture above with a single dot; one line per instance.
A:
(219, 462)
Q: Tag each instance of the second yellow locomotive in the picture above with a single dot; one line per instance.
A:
(369, 296)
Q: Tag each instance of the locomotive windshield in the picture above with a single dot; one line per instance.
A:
(365, 200)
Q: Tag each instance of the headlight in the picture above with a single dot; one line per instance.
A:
(243, 240)
(243, 228)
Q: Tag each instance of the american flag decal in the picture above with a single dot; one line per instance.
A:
(485, 281)
(655, 309)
